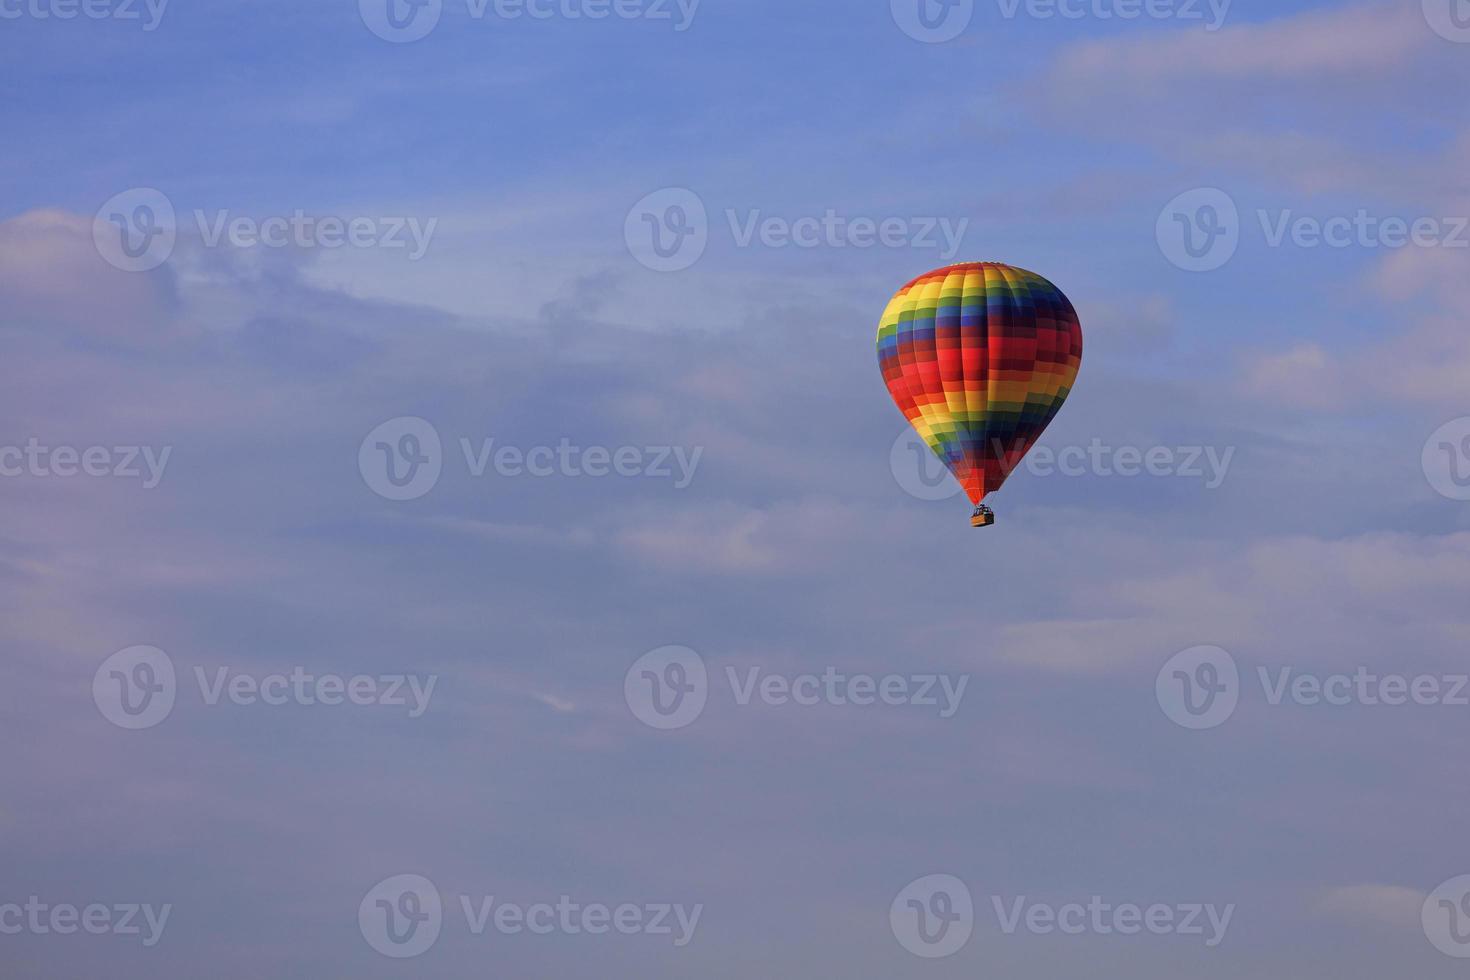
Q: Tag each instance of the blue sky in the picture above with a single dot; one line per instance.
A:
(771, 519)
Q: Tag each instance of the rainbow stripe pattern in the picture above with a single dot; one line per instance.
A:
(979, 358)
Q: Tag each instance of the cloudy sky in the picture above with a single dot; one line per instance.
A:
(398, 399)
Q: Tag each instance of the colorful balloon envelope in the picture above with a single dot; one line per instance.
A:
(979, 358)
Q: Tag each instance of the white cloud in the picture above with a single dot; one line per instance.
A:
(51, 275)
(1303, 102)
(1351, 42)
(1427, 363)
(784, 538)
(559, 705)
(1294, 600)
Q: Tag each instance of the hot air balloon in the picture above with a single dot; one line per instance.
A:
(979, 358)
